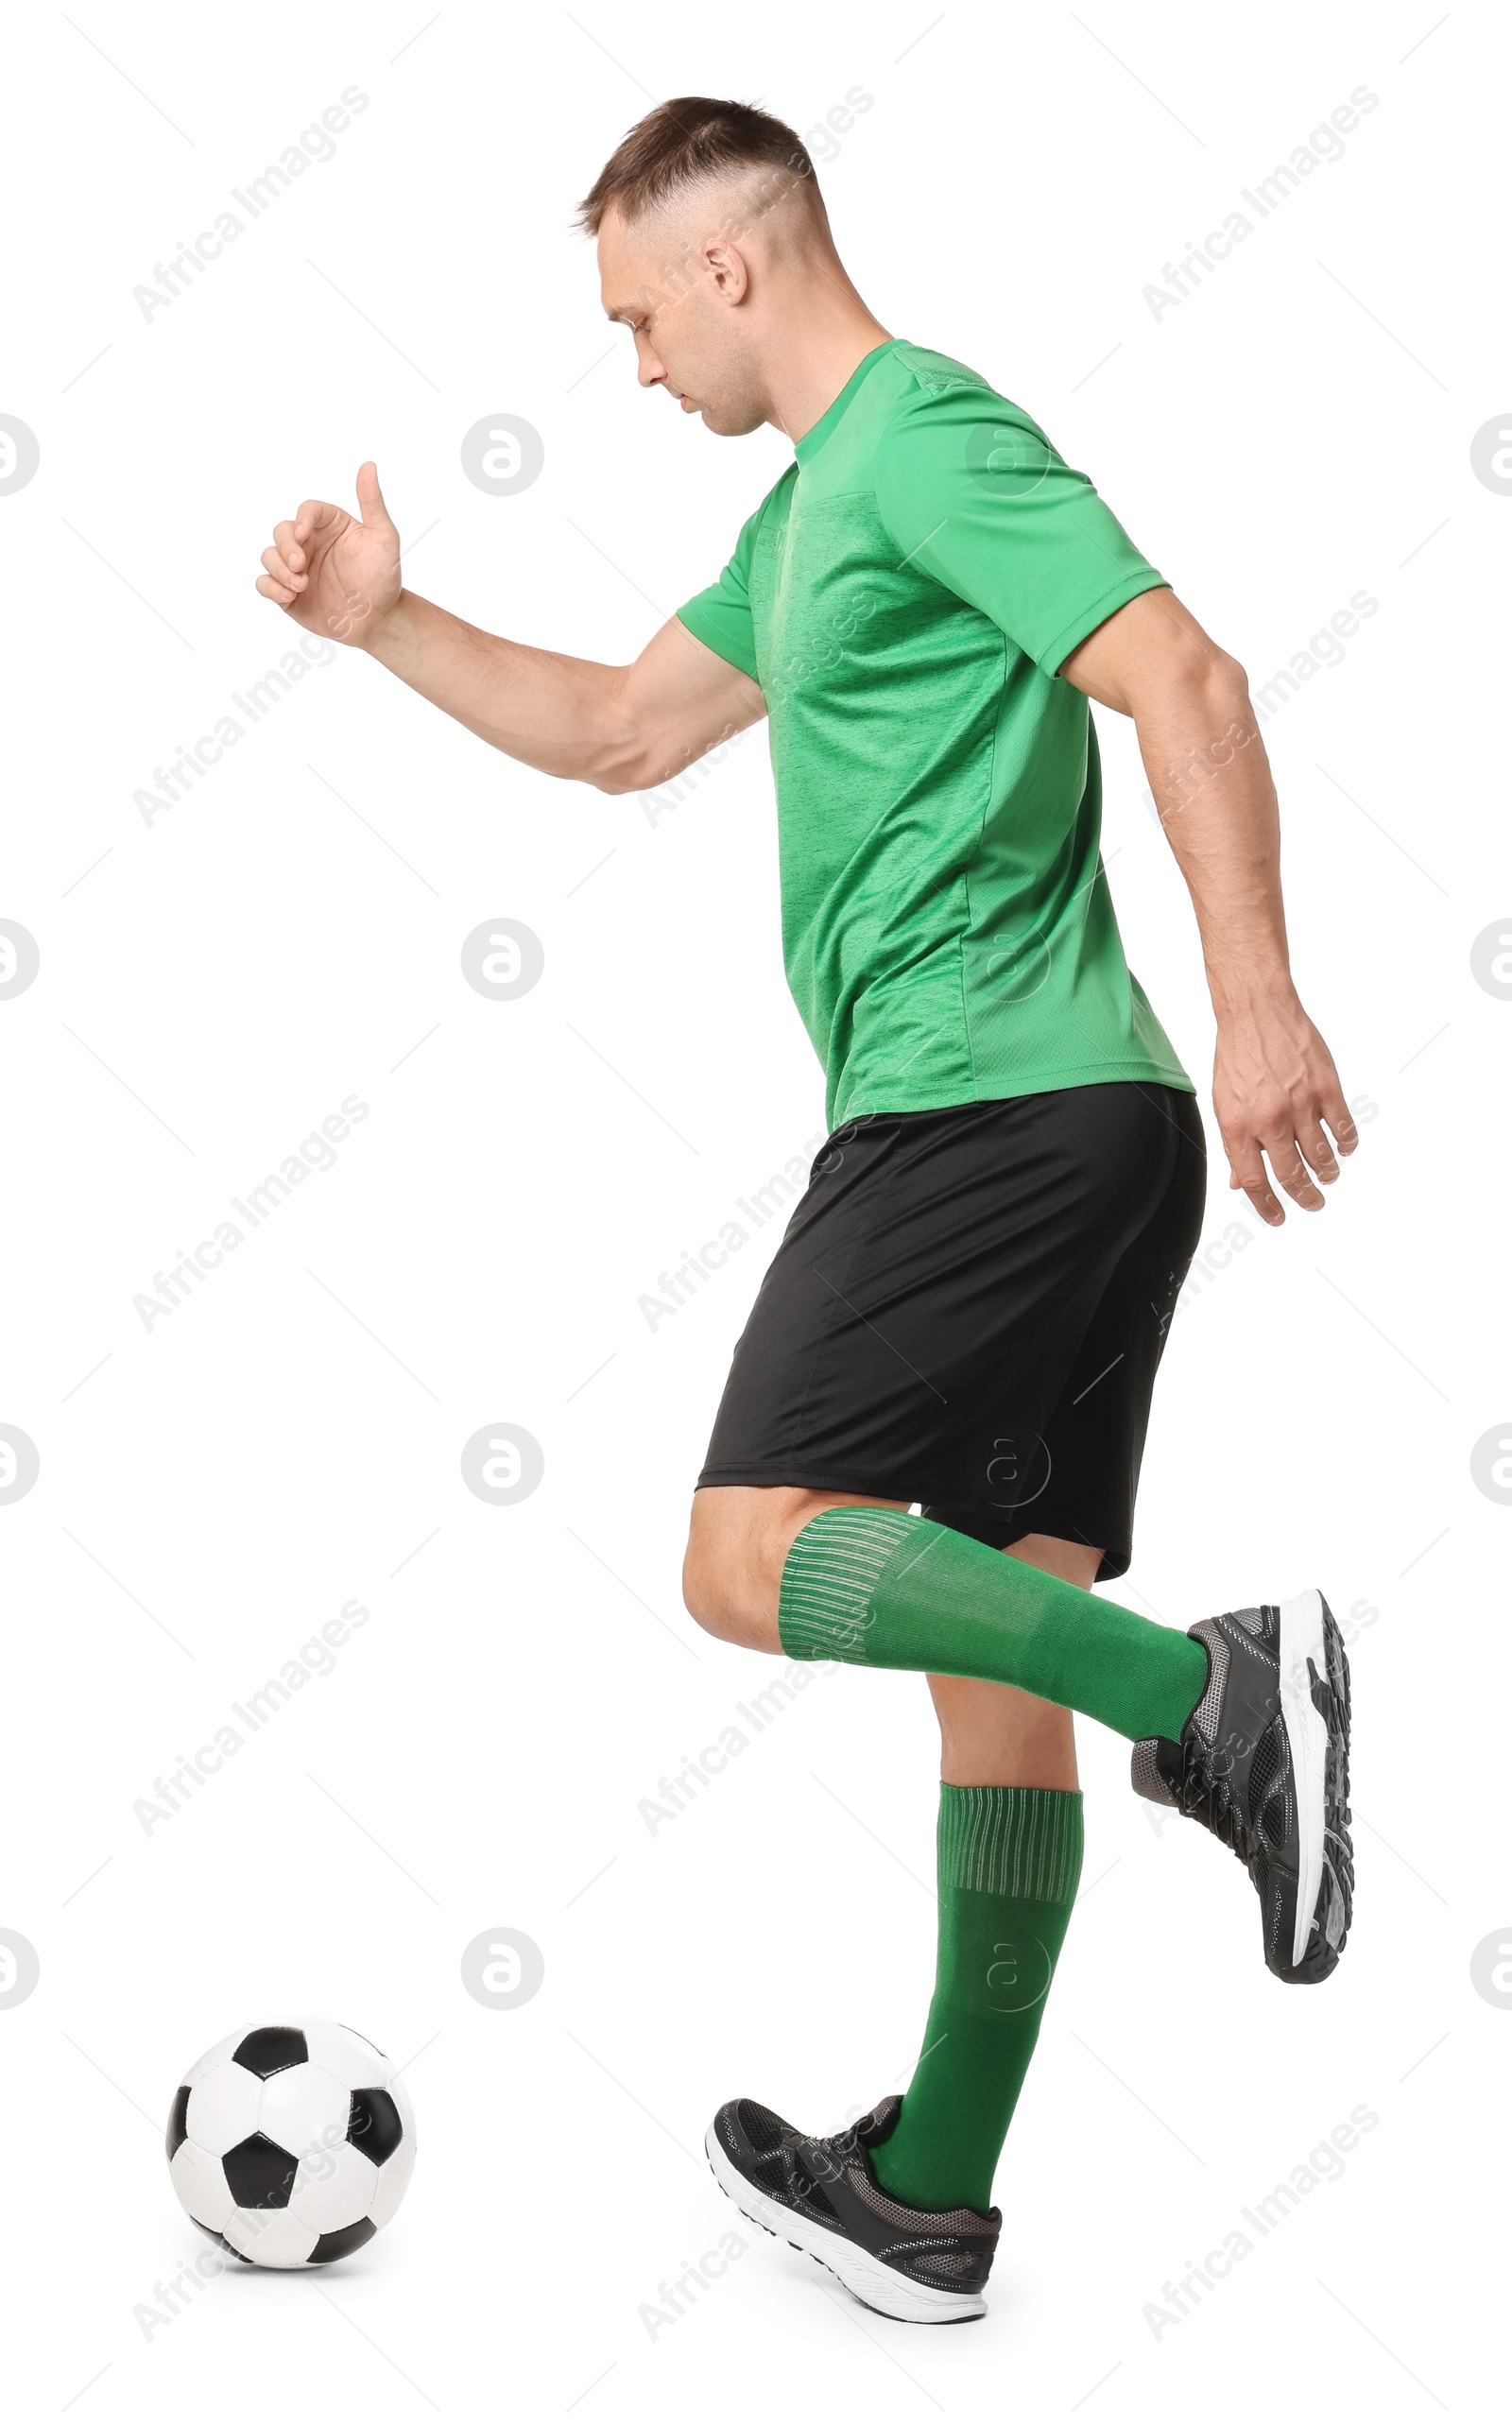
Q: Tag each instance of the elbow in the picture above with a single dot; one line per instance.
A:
(1220, 679)
(1227, 708)
(616, 764)
(612, 752)
(1203, 669)
(1227, 678)
(1212, 686)
(633, 762)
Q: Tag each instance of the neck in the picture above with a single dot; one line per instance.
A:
(827, 331)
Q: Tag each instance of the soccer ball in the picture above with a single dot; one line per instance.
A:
(291, 2145)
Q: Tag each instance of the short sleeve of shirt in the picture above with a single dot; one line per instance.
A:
(720, 617)
(973, 490)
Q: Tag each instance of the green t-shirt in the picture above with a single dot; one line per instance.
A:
(904, 596)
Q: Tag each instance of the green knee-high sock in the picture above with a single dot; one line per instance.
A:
(1010, 1860)
(879, 1589)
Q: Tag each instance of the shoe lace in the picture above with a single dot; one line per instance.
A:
(1207, 1795)
(805, 2164)
(825, 2159)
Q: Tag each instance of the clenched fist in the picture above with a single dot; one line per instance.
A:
(334, 574)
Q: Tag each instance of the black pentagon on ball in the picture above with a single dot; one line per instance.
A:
(333, 2245)
(258, 2174)
(375, 2127)
(178, 2123)
(266, 2050)
(221, 2241)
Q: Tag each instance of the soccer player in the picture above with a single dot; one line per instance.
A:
(968, 1308)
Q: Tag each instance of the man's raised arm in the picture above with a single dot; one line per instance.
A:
(621, 728)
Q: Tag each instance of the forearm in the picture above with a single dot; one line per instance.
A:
(1211, 783)
(1274, 1082)
(565, 716)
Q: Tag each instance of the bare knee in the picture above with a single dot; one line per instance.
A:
(732, 1573)
(738, 1542)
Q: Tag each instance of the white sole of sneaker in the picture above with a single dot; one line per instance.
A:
(864, 2276)
(1302, 1639)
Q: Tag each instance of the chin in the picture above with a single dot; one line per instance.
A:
(731, 420)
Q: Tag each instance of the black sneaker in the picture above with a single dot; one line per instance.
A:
(1263, 1762)
(823, 2197)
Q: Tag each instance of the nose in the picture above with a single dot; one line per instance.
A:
(650, 369)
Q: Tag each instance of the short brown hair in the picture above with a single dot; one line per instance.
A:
(679, 142)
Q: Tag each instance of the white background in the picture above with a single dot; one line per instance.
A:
(214, 984)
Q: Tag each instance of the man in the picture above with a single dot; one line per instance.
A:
(969, 1307)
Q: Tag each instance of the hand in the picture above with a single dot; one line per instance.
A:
(1274, 1085)
(334, 574)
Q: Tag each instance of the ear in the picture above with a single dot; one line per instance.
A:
(726, 269)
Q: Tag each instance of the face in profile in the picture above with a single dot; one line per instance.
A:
(685, 299)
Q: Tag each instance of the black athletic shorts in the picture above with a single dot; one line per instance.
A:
(967, 1312)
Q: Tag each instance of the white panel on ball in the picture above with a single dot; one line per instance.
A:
(303, 2109)
(223, 2108)
(271, 2236)
(336, 2189)
(221, 2053)
(202, 2188)
(346, 2055)
(393, 2180)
